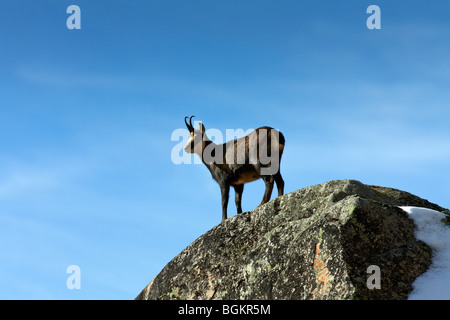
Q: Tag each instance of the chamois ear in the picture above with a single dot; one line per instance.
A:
(202, 127)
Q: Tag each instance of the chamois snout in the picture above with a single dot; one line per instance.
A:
(190, 145)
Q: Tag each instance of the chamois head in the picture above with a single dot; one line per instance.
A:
(197, 138)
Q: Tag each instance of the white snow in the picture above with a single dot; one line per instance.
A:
(434, 284)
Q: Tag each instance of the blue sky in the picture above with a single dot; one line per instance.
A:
(86, 118)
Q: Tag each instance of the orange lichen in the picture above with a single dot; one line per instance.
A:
(321, 269)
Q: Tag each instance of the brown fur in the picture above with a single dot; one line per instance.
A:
(230, 166)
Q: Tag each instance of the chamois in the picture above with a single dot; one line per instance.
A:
(252, 157)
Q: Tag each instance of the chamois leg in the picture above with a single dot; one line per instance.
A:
(268, 180)
(238, 196)
(280, 183)
(225, 190)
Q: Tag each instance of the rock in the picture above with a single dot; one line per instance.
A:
(313, 243)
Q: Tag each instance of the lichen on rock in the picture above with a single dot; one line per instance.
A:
(313, 243)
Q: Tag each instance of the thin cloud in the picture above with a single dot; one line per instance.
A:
(48, 76)
(18, 184)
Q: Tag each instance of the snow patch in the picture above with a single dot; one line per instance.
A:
(434, 284)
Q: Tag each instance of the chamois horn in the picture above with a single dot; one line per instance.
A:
(189, 125)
